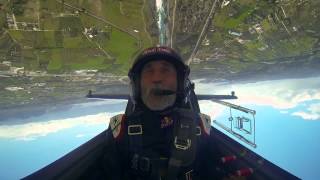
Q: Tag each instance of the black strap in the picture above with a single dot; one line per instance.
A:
(135, 137)
(173, 168)
(185, 142)
(141, 161)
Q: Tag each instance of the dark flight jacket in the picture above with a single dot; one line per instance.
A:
(140, 147)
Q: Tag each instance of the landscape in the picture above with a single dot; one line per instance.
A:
(54, 52)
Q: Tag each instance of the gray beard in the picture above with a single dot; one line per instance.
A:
(156, 102)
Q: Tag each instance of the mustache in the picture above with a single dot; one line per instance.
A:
(162, 92)
(159, 91)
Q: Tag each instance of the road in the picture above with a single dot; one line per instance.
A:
(103, 20)
(144, 22)
(173, 19)
(203, 31)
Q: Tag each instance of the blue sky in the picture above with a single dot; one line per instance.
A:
(287, 123)
(287, 120)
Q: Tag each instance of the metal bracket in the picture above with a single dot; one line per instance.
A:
(182, 144)
(131, 129)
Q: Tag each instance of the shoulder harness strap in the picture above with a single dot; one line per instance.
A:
(135, 132)
(141, 165)
(185, 142)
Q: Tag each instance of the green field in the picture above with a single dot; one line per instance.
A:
(269, 32)
(107, 34)
(61, 44)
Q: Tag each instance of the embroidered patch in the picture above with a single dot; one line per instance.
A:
(205, 123)
(115, 124)
(166, 121)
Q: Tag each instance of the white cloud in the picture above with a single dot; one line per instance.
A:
(306, 116)
(315, 108)
(32, 130)
(212, 109)
(80, 135)
(312, 114)
(280, 94)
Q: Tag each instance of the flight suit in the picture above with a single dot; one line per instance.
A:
(147, 145)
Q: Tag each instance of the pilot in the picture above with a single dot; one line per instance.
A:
(160, 136)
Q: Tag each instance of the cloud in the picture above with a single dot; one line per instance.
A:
(280, 94)
(32, 130)
(307, 116)
(81, 135)
(315, 108)
(313, 112)
(212, 109)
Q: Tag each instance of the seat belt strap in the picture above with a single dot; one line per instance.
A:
(185, 141)
(135, 133)
(173, 169)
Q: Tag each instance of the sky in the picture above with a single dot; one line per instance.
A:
(287, 119)
(287, 122)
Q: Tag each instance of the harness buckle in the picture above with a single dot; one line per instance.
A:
(189, 175)
(198, 131)
(182, 144)
(134, 129)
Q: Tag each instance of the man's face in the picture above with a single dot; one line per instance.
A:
(158, 75)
